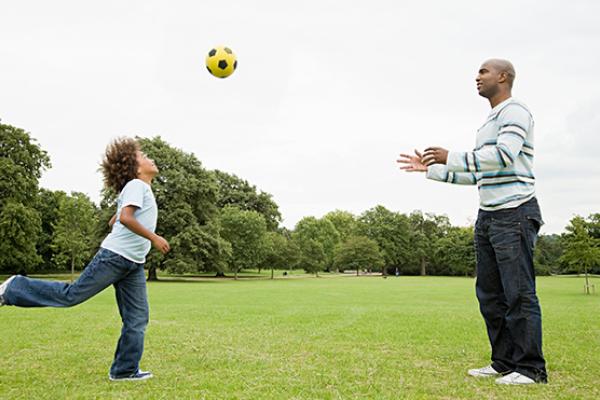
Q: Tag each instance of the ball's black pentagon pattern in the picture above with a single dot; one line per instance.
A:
(221, 62)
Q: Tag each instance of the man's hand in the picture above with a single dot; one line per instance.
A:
(161, 244)
(434, 155)
(413, 163)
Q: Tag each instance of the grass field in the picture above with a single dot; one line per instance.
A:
(297, 338)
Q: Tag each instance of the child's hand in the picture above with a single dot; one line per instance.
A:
(161, 244)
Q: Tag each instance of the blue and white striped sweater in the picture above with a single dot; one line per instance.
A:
(501, 165)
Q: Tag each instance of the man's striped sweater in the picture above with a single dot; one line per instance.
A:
(501, 165)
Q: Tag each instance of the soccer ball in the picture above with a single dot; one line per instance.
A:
(221, 62)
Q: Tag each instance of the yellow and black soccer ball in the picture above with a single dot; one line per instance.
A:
(221, 62)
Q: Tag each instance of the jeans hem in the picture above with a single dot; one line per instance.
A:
(538, 377)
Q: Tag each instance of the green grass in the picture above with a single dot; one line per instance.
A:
(302, 338)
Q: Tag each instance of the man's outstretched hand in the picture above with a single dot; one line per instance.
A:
(412, 163)
(434, 155)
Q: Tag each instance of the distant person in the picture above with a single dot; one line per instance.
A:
(509, 219)
(397, 271)
(119, 262)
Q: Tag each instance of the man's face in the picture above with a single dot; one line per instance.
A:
(487, 81)
(146, 165)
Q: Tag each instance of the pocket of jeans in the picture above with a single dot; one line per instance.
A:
(107, 256)
(536, 222)
(505, 236)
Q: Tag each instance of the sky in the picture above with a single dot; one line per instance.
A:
(325, 96)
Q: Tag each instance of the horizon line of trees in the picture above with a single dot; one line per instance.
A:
(220, 223)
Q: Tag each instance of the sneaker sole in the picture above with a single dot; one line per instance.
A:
(130, 379)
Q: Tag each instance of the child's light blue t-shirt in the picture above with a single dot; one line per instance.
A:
(123, 241)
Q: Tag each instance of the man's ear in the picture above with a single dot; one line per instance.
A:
(503, 77)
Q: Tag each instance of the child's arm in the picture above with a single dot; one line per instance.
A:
(134, 226)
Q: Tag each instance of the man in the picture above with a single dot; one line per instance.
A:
(119, 262)
(509, 218)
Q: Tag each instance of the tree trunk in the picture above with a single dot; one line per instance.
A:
(272, 273)
(423, 267)
(72, 267)
(587, 282)
(152, 274)
(235, 274)
(357, 271)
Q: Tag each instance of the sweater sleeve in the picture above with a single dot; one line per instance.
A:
(439, 172)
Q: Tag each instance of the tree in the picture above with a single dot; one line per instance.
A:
(321, 231)
(291, 252)
(581, 250)
(593, 225)
(74, 239)
(21, 164)
(344, 222)
(47, 206)
(358, 252)
(245, 230)
(548, 250)
(426, 229)
(275, 251)
(391, 231)
(312, 256)
(455, 252)
(20, 228)
(233, 191)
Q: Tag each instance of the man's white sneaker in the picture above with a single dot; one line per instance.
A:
(515, 378)
(3, 288)
(485, 372)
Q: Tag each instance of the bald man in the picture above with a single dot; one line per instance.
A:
(508, 222)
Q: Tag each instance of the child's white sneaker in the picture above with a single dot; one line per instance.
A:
(3, 288)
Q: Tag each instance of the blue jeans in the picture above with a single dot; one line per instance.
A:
(106, 268)
(505, 240)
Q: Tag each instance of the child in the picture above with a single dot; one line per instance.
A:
(119, 262)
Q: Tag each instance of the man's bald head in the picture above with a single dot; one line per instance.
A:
(502, 66)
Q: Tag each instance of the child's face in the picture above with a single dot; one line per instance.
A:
(146, 165)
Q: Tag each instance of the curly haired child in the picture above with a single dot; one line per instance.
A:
(119, 261)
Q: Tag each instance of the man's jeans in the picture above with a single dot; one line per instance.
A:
(106, 268)
(505, 240)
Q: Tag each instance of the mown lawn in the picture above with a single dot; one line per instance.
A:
(297, 338)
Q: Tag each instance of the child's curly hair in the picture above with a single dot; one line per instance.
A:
(119, 164)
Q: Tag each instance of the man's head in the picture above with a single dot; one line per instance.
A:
(496, 76)
(124, 161)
